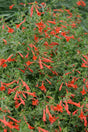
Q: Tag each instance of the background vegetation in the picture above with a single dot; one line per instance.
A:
(43, 66)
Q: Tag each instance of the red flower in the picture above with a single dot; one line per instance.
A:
(5, 41)
(47, 110)
(14, 119)
(40, 63)
(29, 126)
(28, 63)
(49, 67)
(25, 85)
(83, 65)
(53, 22)
(60, 130)
(5, 130)
(58, 107)
(8, 84)
(31, 11)
(36, 39)
(10, 30)
(38, 13)
(85, 121)
(42, 87)
(83, 92)
(4, 65)
(22, 101)
(34, 57)
(3, 27)
(35, 101)
(78, 3)
(10, 7)
(2, 61)
(67, 73)
(6, 123)
(47, 60)
(71, 84)
(57, 29)
(51, 118)
(27, 55)
(66, 107)
(81, 3)
(2, 88)
(48, 81)
(20, 55)
(44, 115)
(41, 129)
(30, 69)
(31, 94)
(9, 58)
(74, 112)
(74, 103)
(81, 116)
(67, 38)
(60, 87)
(18, 25)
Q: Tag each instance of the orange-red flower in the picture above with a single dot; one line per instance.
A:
(10, 7)
(35, 101)
(83, 117)
(42, 87)
(44, 115)
(81, 3)
(83, 91)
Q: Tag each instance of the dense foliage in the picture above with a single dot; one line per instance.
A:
(44, 69)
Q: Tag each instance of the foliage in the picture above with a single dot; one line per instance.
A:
(43, 69)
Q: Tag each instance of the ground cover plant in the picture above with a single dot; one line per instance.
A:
(44, 70)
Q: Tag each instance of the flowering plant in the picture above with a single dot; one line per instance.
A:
(43, 71)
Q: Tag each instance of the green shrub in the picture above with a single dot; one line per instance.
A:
(43, 70)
